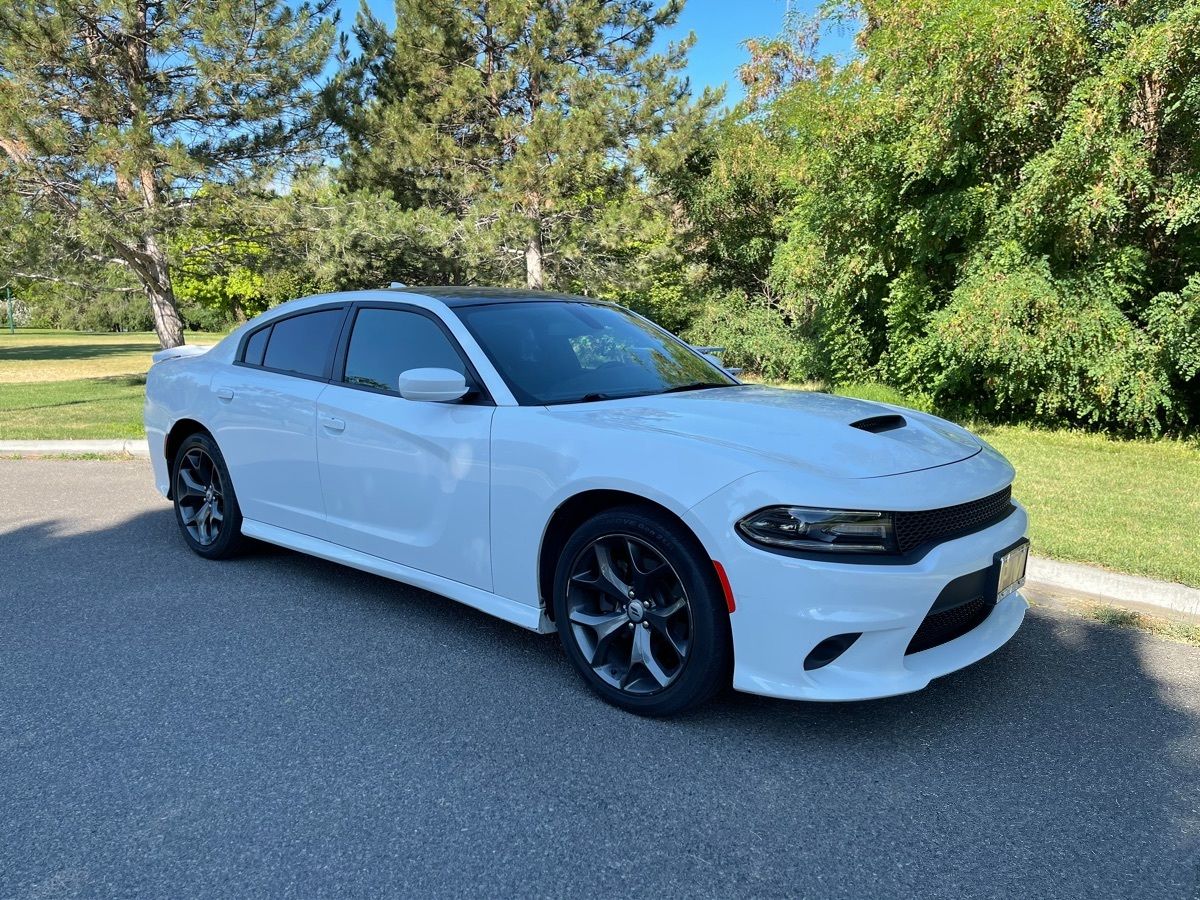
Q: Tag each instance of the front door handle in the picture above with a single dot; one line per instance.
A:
(224, 393)
(332, 424)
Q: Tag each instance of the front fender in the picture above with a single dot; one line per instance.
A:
(539, 461)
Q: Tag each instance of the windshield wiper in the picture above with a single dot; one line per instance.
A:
(696, 386)
(601, 395)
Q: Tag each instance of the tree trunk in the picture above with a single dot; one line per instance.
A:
(168, 324)
(534, 278)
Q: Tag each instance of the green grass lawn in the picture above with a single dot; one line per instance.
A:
(1133, 506)
(108, 407)
(67, 384)
(34, 354)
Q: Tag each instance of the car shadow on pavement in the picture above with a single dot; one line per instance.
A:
(191, 728)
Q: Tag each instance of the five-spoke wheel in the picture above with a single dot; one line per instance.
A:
(641, 613)
(629, 614)
(205, 505)
(198, 491)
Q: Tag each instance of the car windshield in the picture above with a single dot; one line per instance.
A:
(570, 352)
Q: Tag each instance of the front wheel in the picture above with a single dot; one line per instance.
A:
(206, 507)
(641, 614)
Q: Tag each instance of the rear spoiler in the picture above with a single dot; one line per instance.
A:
(177, 352)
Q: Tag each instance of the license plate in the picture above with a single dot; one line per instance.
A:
(1012, 570)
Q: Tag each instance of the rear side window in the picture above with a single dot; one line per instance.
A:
(257, 346)
(303, 344)
(386, 342)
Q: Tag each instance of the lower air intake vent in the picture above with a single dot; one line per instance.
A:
(941, 627)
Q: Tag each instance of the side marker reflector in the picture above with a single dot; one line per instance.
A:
(724, 579)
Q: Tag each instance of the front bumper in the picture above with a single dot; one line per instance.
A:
(787, 605)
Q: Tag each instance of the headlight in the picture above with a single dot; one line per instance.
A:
(820, 530)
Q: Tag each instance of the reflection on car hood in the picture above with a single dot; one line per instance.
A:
(799, 428)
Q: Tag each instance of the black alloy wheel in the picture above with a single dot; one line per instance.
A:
(629, 614)
(206, 507)
(640, 612)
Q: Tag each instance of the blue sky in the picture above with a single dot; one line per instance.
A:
(720, 26)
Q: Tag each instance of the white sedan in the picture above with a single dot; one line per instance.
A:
(568, 466)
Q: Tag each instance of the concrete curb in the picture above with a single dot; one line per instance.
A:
(1144, 594)
(1101, 585)
(46, 448)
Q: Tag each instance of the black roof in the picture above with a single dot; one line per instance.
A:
(474, 296)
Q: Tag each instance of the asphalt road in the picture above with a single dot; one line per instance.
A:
(278, 725)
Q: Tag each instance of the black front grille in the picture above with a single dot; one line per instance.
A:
(916, 528)
(948, 624)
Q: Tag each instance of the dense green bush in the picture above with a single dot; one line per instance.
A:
(1174, 320)
(1021, 344)
(84, 309)
(755, 336)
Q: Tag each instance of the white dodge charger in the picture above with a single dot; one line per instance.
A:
(569, 466)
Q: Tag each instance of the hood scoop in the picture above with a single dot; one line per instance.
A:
(880, 424)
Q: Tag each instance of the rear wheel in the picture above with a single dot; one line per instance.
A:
(206, 507)
(639, 610)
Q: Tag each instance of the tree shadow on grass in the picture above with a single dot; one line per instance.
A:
(71, 351)
(281, 723)
(51, 394)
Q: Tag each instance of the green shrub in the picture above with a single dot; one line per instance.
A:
(1174, 320)
(660, 295)
(994, 206)
(203, 317)
(757, 337)
(1017, 344)
(50, 305)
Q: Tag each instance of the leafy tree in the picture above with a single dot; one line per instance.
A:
(343, 239)
(996, 204)
(535, 126)
(113, 113)
(222, 279)
(735, 193)
(261, 248)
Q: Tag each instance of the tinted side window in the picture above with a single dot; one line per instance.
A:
(386, 342)
(304, 344)
(256, 346)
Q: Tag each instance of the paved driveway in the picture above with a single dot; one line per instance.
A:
(283, 726)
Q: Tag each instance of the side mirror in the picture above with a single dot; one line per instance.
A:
(432, 385)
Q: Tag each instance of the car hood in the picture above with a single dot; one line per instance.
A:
(836, 436)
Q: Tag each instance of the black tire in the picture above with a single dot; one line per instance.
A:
(223, 536)
(587, 611)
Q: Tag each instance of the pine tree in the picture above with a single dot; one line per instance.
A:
(537, 125)
(113, 114)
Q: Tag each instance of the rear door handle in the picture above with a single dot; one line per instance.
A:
(224, 393)
(332, 424)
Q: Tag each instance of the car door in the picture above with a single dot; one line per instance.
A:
(406, 480)
(267, 427)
